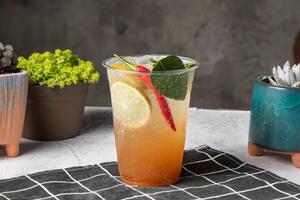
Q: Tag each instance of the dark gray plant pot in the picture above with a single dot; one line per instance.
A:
(54, 113)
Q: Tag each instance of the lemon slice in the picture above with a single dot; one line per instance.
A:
(129, 105)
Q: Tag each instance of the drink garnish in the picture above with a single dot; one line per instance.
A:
(172, 86)
(130, 105)
(146, 79)
(117, 66)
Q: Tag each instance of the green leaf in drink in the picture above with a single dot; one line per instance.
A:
(168, 63)
(172, 86)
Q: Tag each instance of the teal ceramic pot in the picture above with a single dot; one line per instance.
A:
(275, 117)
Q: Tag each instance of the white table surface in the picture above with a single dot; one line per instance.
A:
(220, 129)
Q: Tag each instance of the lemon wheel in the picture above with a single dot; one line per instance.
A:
(130, 106)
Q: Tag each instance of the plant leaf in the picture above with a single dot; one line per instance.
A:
(281, 75)
(173, 86)
(189, 64)
(168, 63)
(297, 72)
(297, 84)
(286, 66)
(277, 78)
(272, 81)
(291, 77)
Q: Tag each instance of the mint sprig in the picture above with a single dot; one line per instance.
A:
(173, 86)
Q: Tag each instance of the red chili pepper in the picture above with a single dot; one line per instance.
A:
(163, 104)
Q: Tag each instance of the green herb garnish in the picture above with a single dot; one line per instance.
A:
(173, 86)
(189, 64)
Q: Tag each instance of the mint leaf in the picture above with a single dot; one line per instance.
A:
(173, 86)
(168, 63)
(189, 64)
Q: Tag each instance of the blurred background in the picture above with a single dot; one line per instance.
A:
(235, 40)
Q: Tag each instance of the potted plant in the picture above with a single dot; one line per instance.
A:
(58, 86)
(13, 96)
(275, 113)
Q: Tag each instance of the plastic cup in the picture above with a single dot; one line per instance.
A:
(149, 150)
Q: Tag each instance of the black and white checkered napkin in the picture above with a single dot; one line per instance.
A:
(206, 174)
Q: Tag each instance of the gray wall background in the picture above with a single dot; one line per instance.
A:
(234, 40)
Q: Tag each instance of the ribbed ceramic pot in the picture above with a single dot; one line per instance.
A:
(13, 98)
(275, 119)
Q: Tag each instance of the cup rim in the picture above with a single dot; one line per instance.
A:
(259, 81)
(168, 72)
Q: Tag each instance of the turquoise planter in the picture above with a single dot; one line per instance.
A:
(275, 117)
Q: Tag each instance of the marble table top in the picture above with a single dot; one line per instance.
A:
(226, 130)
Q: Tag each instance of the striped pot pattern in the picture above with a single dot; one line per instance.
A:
(13, 99)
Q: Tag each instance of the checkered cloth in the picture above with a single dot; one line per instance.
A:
(206, 174)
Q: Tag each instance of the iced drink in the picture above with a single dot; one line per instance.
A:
(150, 111)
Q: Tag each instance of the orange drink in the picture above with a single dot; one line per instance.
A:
(150, 111)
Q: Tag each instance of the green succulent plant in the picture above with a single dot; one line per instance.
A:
(59, 68)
